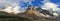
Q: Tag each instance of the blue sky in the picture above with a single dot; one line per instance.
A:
(34, 3)
(25, 3)
(55, 1)
(39, 3)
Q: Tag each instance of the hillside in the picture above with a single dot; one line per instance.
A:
(34, 16)
(25, 17)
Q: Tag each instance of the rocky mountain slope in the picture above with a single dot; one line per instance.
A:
(31, 14)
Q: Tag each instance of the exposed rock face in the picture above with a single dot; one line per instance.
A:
(44, 13)
(33, 10)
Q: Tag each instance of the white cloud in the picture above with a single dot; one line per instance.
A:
(8, 2)
(47, 4)
(12, 3)
(51, 5)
